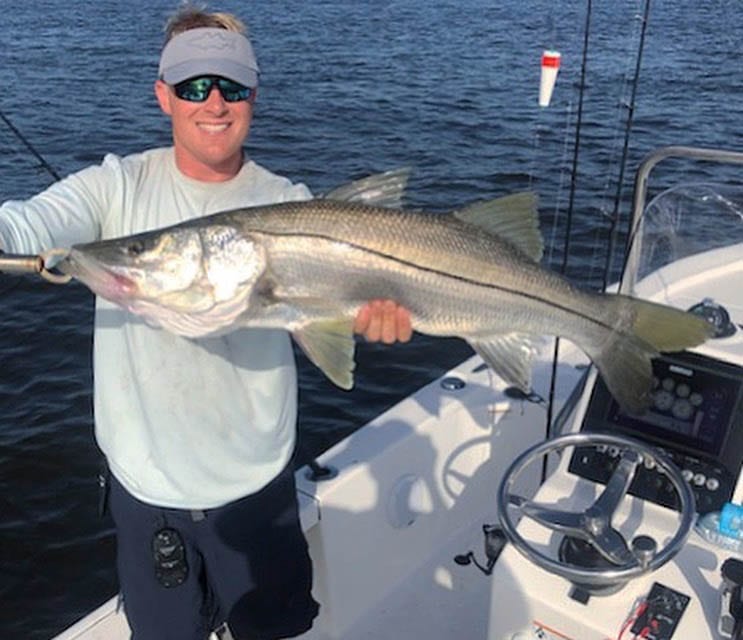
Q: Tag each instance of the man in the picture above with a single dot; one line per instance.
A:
(198, 434)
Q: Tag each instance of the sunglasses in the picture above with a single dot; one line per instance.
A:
(198, 89)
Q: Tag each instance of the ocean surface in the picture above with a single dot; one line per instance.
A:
(447, 87)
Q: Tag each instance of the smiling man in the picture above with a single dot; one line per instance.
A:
(209, 126)
(198, 434)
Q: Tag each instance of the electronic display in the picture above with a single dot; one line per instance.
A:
(695, 417)
(690, 407)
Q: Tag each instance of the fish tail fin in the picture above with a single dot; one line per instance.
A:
(623, 355)
(667, 328)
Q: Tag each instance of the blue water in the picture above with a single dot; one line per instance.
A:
(446, 87)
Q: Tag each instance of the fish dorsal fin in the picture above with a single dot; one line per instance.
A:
(514, 218)
(509, 355)
(381, 189)
(329, 344)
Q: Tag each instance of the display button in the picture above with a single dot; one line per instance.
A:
(683, 390)
(682, 409)
(663, 399)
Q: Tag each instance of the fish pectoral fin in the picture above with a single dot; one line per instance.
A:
(329, 344)
(380, 189)
(514, 218)
(509, 355)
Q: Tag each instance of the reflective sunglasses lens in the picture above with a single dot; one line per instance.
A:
(196, 90)
(233, 91)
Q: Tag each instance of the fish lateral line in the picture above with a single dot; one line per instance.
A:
(438, 272)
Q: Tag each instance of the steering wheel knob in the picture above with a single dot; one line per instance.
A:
(644, 549)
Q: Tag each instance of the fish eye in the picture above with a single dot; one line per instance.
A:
(135, 248)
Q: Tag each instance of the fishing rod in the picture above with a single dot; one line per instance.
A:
(569, 221)
(576, 148)
(49, 168)
(16, 263)
(625, 151)
(617, 200)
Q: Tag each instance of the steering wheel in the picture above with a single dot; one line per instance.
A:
(594, 525)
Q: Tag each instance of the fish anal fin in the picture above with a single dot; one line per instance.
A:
(509, 355)
(514, 218)
(329, 345)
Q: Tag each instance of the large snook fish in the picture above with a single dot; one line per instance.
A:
(309, 266)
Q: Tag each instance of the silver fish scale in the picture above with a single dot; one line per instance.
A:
(428, 240)
(327, 258)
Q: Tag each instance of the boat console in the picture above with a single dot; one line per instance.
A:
(696, 419)
(563, 586)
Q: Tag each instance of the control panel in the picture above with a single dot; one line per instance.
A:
(711, 484)
(658, 617)
(695, 419)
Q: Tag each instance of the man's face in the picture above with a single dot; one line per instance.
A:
(208, 136)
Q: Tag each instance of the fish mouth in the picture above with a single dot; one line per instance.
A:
(100, 279)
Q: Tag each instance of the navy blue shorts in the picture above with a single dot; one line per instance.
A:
(247, 565)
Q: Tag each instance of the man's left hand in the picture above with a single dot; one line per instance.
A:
(384, 321)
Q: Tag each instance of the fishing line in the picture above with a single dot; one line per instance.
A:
(30, 147)
(577, 144)
(560, 187)
(550, 29)
(614, 225)
(600, 231)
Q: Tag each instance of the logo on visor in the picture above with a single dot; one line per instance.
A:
(211, 41)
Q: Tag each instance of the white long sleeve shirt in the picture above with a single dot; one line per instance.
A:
(183, 423)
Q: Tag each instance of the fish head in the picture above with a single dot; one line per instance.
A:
(189, 279)
(151, 266)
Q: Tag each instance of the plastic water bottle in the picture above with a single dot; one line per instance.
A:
(731, 520)
(709, 527)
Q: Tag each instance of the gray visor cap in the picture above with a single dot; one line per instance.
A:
(209, 51)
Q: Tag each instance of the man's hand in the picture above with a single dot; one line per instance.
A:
(385, 321)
